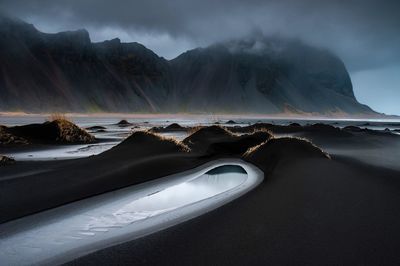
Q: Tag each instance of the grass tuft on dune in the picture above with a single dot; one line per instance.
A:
(68, 132)
(149, 142)
(57, 116)
(57, 131)
(220, 141)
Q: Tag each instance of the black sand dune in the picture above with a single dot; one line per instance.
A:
(203, 137)
(59, 131)
(217, 140)
(174, 127)
(124, 123)
(268, 154)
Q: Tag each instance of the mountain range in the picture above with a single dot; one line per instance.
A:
(66, 72)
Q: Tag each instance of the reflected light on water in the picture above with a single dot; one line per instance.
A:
(57, 235)
(203, 187)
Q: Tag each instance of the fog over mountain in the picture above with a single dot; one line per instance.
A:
(364, 34)
(67, 72)
(353, 29)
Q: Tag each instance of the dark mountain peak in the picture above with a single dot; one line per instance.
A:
(116, 44)
(76, 37)
(135, 46)
(111, 43)
(14, 28)
(266, 74)
(296, 58)
(5, 19)
(115, 48)
(12, 25)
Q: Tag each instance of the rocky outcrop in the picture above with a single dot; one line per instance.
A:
(66, 71)
(264, 75)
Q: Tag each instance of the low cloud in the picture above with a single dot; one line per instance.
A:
(364, 33)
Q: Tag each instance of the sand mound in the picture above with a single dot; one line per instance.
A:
(212, 140)
(4, 160)
(203, 137)
(268, 154)
(353, 129)
(239, 144)
(68, 132)
(58, 131)
(144, 143)
(175, 126)
(123, 123)
(324, 128)
(217, 140)
(294, 125)
(171, 127)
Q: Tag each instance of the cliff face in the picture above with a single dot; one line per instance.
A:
(67, 72)
(265, 76)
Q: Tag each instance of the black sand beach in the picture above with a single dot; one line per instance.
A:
(307, 212)
(311, 209)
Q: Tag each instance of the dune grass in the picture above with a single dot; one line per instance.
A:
(58, 117)
(261, 130)
(155, 137)
(293, 140)
(253, 149)
(68, 131)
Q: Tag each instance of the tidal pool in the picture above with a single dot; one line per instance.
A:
(62, 234)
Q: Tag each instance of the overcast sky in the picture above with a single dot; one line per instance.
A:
(364, 33)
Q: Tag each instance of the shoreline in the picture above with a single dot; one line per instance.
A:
(278, 116)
